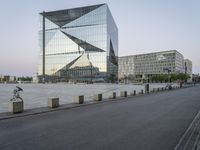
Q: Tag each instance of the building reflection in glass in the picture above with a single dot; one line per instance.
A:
(81, 44)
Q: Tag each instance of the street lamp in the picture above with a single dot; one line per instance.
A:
(43, 47)
(90, 67)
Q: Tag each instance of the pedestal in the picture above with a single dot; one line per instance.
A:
(16, 106)
(53, 102)
(79, 99)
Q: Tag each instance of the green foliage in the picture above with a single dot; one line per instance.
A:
(160, 78)
(131, 77)
(171, 77)
(25, 78)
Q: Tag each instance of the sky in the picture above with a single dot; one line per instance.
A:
(144, 26)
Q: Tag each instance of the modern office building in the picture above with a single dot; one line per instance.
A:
(188, 69)
(188, 66)
(144, 66)
(78, 44)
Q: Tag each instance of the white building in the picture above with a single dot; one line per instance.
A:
(188, 68)
(143, 66)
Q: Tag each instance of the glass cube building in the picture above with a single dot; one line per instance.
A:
(79, 44)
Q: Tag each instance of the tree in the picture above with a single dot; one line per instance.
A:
(172, 77)
(25, 78)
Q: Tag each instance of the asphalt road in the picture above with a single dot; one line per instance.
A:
(153, 122)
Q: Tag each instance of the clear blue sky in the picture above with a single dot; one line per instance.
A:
(144, 26)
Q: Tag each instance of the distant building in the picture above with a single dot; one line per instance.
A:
(196, 78)
(7, 78)
(144, 66)
(1, 78)
(35, 78)
(80, 44)
(188, 68)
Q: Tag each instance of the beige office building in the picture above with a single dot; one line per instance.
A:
(143, 66)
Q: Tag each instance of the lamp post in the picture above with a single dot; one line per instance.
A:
(90, 67)
(91, 71)
(43, 47)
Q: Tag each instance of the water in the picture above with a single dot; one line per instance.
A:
(36, 95)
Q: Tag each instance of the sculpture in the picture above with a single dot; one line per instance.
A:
(16, 94)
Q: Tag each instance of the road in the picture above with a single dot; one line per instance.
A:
(150, 122)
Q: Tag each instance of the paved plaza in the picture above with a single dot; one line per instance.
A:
(150, 122)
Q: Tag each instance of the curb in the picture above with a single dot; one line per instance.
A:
(42, 110)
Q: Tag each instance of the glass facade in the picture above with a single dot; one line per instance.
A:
(81, 44)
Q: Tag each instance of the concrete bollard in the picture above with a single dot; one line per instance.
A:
(79, 99)
(113, 96)
(123, 94)
(16, 106)
(133, 93)
(53, 102)
(181, 84)
(142, 92)
(98, 97)
(147, 88)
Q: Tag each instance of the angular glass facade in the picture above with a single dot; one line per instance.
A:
(80, 44)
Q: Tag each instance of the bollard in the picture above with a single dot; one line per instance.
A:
(147, 88)
(181, 84)
(123, 94)
(16, 106)
(162, 89)
(79, 99)
(97, 97)
(53, 102)
(158, 89)
(113, 96)
(133, 93)
(142, 92)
